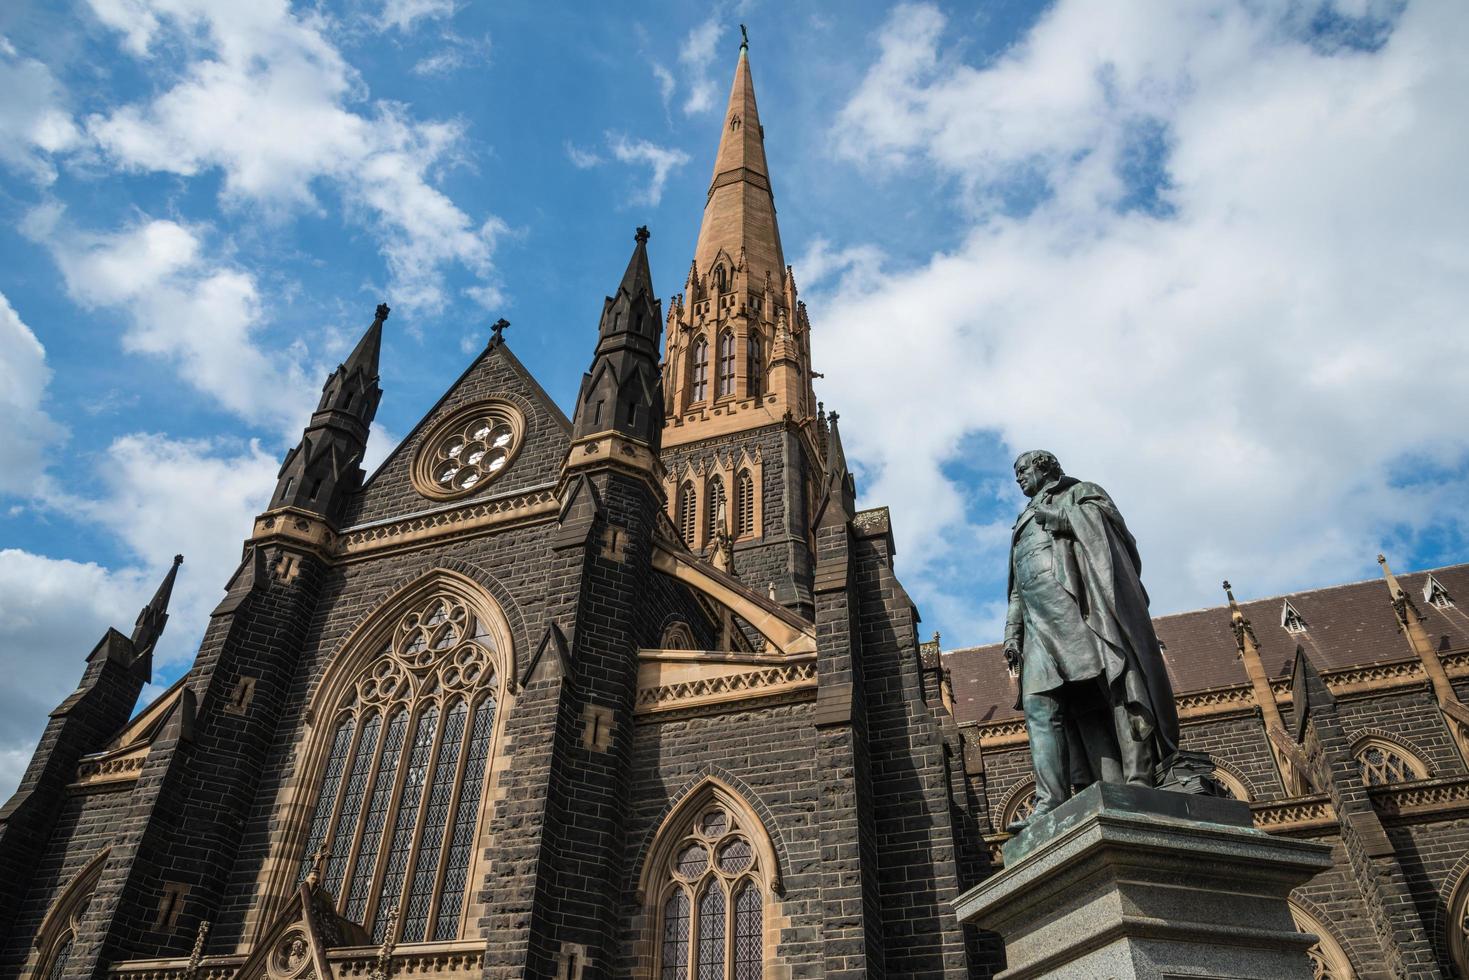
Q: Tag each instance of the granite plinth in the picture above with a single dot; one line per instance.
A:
(1126, 882)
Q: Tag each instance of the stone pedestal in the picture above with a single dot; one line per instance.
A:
(1125, 882)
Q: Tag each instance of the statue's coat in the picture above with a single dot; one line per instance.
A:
(1096, 562)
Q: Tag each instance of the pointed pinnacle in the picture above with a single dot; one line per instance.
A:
(154, 616)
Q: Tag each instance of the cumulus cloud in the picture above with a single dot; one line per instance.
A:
(29, 431)
(155, 496)
(34, 122)
(1211, 254)
(696, 55)
(267, 100)
(662, 161)
(196, 311)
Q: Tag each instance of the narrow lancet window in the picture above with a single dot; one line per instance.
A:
(699, 370)
(755, 367)
(726, 364)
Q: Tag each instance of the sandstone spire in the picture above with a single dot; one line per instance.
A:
(739, 214)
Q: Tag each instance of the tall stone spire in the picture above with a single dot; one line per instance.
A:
(739, 215)
(623, 391)
(154, 616)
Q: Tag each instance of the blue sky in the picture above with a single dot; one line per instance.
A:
(1212, 254)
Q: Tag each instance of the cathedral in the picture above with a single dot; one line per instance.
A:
(637, 693)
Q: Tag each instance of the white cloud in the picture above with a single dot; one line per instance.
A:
(266, 99)
(34, 123)
(403, 14)
(1260, 350)
(666, 83)
(662, 160)
(156, 496)
(582, 159)
(197, 312)
(31, 436)
(696, 55)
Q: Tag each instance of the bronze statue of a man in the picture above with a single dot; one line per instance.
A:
(1098, 704)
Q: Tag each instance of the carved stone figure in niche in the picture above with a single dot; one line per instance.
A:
(1097, 700)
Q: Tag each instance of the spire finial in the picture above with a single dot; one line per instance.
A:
(497, 332)
(642, 235)
(383, 311)
(744, 38)
(1244, 632)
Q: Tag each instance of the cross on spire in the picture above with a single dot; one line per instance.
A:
(497, 332)
(317, 860)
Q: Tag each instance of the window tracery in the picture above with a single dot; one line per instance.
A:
(468, 450)
(1328, 960)
(56, 937)
(399, 793)
(1383, 763)
(711, 905)
(1459, 926)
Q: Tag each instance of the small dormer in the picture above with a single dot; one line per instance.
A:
(1435, 594)
(1291, 619)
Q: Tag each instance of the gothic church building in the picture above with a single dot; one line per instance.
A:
(637, 694)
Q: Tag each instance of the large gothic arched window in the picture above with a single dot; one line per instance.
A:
(56, 937)
(1458, 926)
(708, 880)
(409, 741)
(1328, 960)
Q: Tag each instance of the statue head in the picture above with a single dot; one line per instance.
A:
(1035, 470)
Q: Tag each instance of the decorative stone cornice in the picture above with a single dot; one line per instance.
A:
(296, 527)
(450, 961)
(493, 513)
(105, 770)
(728, 682)
(1424, 799)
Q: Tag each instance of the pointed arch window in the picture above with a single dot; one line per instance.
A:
(726, 363)
(755, 365)
(398, 796)
(1383, 763)
(744, 504)
(717, 506)
(1458, 923)
(56, 937)
(688, 512)
(1328, 960)
(699, 370)
(709, 888)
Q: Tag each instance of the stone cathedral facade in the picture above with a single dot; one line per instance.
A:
(637, 693)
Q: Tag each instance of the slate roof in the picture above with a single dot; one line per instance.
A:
(1346, 625)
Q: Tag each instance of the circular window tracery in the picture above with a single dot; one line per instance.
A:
(468, 450)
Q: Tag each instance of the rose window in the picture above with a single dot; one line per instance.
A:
(468, 450)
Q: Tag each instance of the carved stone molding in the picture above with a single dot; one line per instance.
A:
(526, 507)
(720, 683)
(450, 961)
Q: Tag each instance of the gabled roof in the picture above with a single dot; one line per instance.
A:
(389, 492)
(1350, 625)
